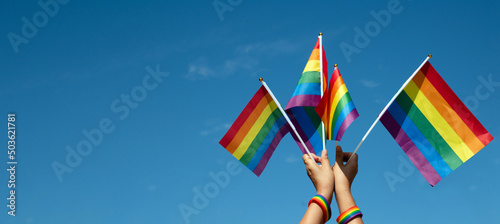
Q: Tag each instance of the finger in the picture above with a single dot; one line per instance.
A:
(305, 157)
(310, 164)
(324, 158)
(338, 154)
(346, 156)
(316, 158)
(352, 158)
(308, 161)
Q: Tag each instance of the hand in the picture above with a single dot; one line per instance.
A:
(320, 175)
(344, 173)
(344, 176)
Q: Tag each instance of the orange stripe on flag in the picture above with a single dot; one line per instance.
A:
(450, 115)
(245, 128)
(314, 55)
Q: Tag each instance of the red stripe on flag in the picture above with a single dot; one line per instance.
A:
(242, 118)
(456, 104)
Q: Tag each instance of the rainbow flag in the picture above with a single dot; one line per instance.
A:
(307, 94)
(256, 133)
(433, 126)
(336, 108)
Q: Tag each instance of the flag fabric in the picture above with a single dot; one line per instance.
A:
(433, 126)
(307, 94)
(308, 90)
(256, 133)
(336, 108)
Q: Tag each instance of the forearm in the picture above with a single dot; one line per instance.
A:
(313, 215)
(322, 177)
(345, 201)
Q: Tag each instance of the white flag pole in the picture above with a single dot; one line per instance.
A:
(286, 117)
(322, 84)
(388, 104)
(335, 67)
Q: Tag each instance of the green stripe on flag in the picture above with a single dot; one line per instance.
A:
(309, 77)
(261, 136)
(346, 98)
(430, 133)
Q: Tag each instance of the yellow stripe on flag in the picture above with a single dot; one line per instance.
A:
(439, 123)
(257, 126)
(449, 114)
(312, 65)
(338, 95)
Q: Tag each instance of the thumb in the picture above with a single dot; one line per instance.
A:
(324, 158)
(339, 155)
(353, 158)
(306, 159)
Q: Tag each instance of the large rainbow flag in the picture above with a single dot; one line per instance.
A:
(256, 133)
(433, 126)
(336, 108)
(305, 98)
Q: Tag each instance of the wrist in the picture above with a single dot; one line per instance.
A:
(342, 189)
(344, 199)
(322, 203)
(349, 214)
(328, 195)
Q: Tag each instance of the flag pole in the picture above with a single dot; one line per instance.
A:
(286, 117)
(335, 67)
(323, 140)
(387, 105)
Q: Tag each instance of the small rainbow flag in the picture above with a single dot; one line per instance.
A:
(433, 126)
(256, 133)
(308, 90)
(307, 94)
(336, 108)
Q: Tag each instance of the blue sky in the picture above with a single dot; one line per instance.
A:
(162, 81)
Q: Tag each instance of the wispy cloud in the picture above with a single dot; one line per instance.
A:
(271, 48)
(496, 161)
(202, 68)
(29, 220)
(152, 188)
(213, 126)
(369, 83)
(231, 66)
(199, 69)
(245, 58)
(292, 158)
(472, 188)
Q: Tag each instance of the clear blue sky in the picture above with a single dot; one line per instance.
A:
(159, 140)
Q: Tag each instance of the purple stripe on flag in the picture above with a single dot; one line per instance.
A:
(301, 133)
(346, 122)
(410, 149)
(269, 152)
(303, 101)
